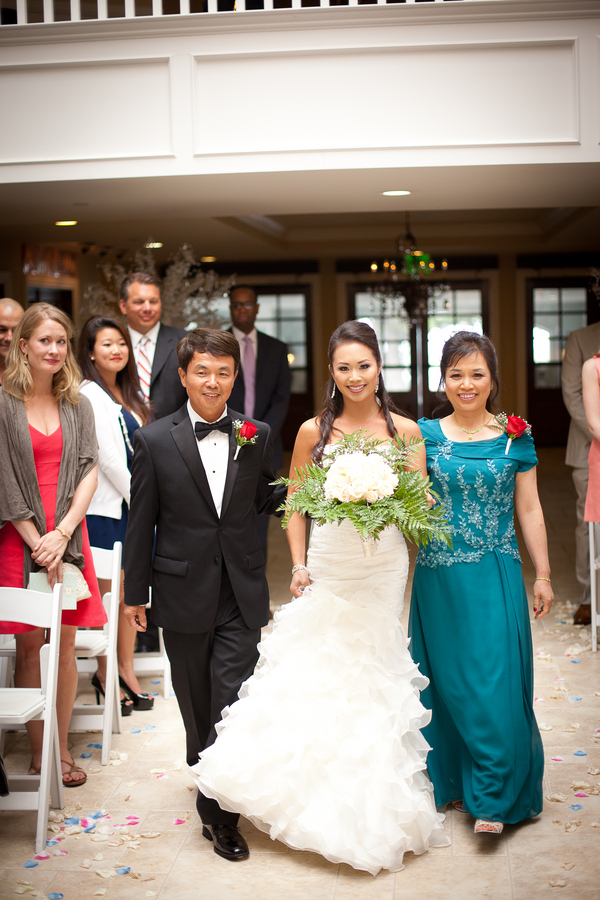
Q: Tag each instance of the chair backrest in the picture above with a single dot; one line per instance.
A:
(107, 563)
(31, 607)
(43, 611)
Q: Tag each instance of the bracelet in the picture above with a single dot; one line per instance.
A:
(540, 578)
(297, 569)
(64, 533)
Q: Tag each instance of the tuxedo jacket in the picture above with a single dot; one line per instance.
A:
(170, 492)
(166, 390)
(581, 345)
(272, 390)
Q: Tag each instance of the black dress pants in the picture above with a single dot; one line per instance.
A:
(208, 670)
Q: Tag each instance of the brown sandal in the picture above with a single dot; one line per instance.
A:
(458, 806)
(73, 768)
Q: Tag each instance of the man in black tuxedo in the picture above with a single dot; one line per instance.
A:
(262, 388)
(209, 591)
(154, 344)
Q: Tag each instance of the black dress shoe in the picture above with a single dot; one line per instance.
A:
(228, 841)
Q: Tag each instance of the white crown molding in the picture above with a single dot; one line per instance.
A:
(467, 11)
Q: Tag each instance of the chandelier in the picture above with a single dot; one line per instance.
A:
(405, 282)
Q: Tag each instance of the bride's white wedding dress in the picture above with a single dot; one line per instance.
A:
(323, 749)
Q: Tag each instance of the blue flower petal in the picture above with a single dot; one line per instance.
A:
(576, 698)
(580, 753)
(85, 755)
(90, 828)
(150, 727)
(155, 681)
(96, 815)
(154, 693)
(30, 864)
(575, 660)
(576, 806)
(73, 820)
(135, 730)
(55, 896)
(124, 870)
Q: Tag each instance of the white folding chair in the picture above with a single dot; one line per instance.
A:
(156, 663)
(21, 705)
(593, 528)
(89, 645)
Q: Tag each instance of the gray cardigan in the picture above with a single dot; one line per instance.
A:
(20, 496)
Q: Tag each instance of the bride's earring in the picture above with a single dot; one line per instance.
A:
(333, 391)
(377, 388)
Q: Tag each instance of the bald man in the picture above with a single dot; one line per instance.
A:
(10, 313)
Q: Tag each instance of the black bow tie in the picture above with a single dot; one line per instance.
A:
(204, 428)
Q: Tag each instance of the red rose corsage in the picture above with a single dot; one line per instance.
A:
(245, 433)
(514, 427)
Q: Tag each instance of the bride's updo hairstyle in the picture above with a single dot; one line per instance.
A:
(352, 332)
(465, 343)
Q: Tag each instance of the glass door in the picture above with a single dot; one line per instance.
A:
(462, 307)
(555, 308)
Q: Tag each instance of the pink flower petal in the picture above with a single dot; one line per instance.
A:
(42, 856)
(581, 794)
(178, 821)
(558, 758)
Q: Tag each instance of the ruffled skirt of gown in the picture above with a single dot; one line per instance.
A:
(323, 750)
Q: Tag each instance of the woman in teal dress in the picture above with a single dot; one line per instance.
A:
(469, 618)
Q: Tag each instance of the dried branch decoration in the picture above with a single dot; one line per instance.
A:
(187, 291)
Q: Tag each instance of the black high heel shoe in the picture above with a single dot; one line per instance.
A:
(140, 701)
(126, 704)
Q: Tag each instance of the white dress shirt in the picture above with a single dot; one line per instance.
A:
(136, 337)
(240, 336)
(214, 453)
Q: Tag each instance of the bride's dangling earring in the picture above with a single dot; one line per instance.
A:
(377, 400)
(333, 391)
(377, 386)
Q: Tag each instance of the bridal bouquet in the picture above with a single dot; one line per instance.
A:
(365, 480)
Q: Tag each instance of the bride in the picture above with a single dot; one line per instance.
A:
(323, 750)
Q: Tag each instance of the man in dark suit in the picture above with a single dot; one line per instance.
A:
(209, 591)
(154, 348)
(154, 344)
(262, 388)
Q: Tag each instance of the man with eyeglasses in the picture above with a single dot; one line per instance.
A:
(262, 388)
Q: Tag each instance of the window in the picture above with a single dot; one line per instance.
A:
(556, 312)
(283, 316)
(455, 310)
(392, 328)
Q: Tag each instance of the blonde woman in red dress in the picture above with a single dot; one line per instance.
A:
(48, 455)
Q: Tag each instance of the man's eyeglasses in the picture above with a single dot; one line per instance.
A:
(248, 304)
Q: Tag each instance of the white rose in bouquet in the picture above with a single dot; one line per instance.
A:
(360, 476)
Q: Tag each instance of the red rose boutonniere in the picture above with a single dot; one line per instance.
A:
(514, 427)
(245, 433)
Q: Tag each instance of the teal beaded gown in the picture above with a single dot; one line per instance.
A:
(471, 636)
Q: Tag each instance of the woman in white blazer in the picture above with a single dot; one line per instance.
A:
(111, 385)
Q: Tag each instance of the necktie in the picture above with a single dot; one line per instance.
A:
(202, 429)
(249, 364)
(143, 367)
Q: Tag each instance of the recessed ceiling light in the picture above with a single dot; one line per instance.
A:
(395, 193)
(153, 245)
(67, 222)
(207, 259)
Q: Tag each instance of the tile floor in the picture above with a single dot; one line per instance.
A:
(547, 857)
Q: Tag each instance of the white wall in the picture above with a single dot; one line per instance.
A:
(499, 83)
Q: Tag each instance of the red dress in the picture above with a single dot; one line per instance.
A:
(47, 453)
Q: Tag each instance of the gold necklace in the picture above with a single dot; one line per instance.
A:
(471, 433)
(364, 423)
